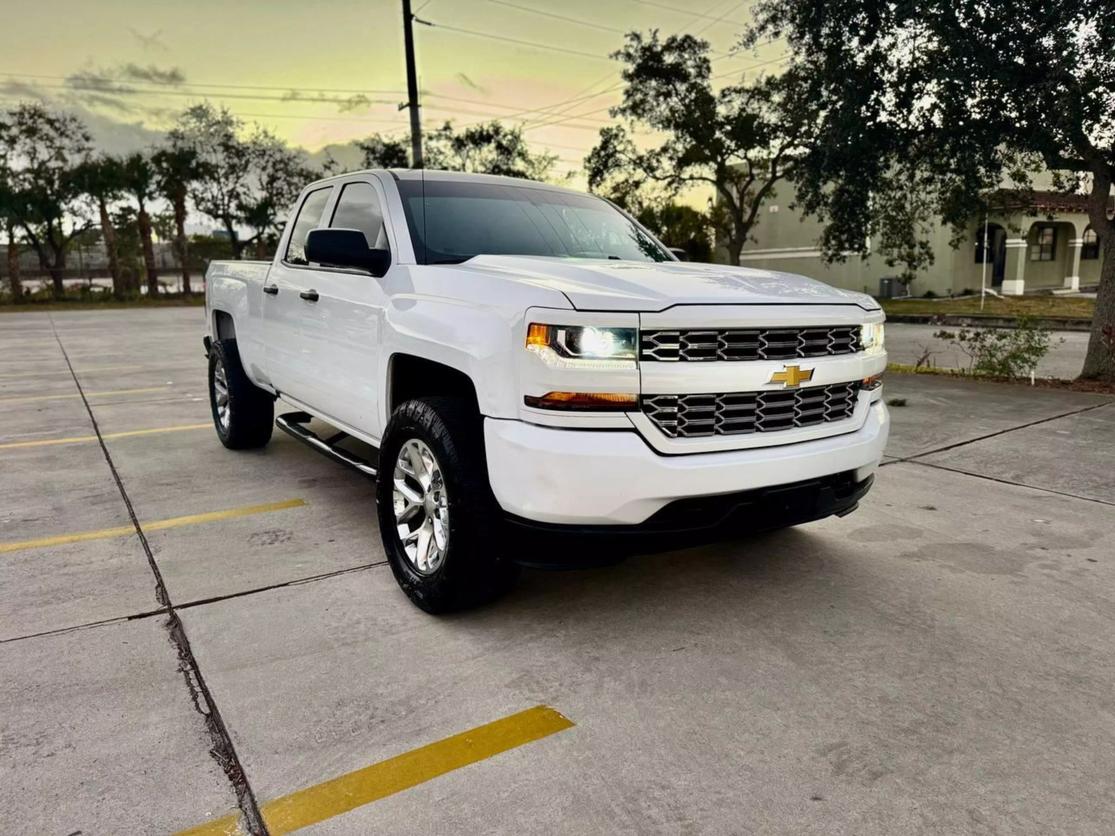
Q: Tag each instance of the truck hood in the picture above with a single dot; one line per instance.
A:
(606, 285)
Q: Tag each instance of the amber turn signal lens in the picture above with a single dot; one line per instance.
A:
(538, 334)
(584, 401)
(870, 384)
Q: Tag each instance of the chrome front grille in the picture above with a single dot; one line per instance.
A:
(734, 413)
(749, 343)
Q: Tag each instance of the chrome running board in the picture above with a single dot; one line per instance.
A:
(294, 423)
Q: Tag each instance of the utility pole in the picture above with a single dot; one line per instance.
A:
(412, 88)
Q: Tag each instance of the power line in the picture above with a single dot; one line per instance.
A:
(676, 10)
(577, 21)
(519, 42)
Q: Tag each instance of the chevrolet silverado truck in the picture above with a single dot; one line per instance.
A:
(515, 357)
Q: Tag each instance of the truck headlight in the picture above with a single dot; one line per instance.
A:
(871, 337)
(583, 346)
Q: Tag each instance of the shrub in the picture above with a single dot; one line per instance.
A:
(1002, 352)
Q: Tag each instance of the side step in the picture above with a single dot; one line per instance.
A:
(294, 423)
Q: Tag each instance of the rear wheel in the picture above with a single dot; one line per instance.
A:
(243, 414)
(437, 516)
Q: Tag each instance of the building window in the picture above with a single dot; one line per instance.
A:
(1044, 245)
(1090, 245)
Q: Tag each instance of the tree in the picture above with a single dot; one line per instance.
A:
(43, 150)
(488, 148)
(8, 211)
(740, 140)
(225, 166)
(103, 180)
(681, 226)
(140, 181)
(177, 167)
(926, 109)
(278, 175)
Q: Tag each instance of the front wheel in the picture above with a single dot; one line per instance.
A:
(243, 414)
(437, 516)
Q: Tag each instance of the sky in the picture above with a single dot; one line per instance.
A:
(318, 73)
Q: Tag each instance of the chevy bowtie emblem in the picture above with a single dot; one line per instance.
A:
(792, 376)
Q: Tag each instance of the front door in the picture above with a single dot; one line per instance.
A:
(998, 254)
(286, 362)
(342, 329)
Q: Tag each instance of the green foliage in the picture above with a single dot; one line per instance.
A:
(1002, 352)
(925, 110)
(739, 140)
(680, 226)
(487, 148)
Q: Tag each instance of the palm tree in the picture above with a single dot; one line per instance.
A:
(103, 179)
(177, 167)
(140, 182)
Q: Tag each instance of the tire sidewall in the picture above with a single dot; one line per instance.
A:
(470, 512)
(217, 354)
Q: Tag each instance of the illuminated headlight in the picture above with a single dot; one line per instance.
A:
(871, 337)
(583, 346)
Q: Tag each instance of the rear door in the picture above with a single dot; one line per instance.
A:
(288, 363)
(343, 329)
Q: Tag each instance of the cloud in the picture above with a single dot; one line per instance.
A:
(151, 74)
(152, 41)
(21, 90)
(468, 82)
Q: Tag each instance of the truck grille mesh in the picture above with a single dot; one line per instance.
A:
(733, 413)
(750, 343)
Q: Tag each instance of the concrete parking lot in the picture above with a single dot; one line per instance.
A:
(189, 635)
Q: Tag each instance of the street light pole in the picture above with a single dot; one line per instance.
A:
(412, 88)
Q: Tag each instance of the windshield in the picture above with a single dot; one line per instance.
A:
(451, 221)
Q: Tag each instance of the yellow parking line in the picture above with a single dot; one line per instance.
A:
(77, 439)
(23, 398)
(154, 525)
(90, 370)
(355, 789)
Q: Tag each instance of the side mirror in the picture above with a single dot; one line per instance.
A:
(345, 248)
(679, 253)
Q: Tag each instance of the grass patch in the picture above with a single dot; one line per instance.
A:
(1070, 307)
(85, 302)
(1098, 387)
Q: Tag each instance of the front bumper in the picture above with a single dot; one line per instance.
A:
(612, 478)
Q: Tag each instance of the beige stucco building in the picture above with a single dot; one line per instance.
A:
(1040, 243)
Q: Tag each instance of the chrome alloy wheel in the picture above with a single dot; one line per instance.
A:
(421, 506)
(220, 392)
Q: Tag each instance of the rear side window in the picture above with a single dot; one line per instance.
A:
(359, 208)
(309, 217)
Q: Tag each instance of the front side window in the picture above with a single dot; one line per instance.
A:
(309, 216)
(359, 208)
(1090, 245)
(452, 221)
(1044, 245)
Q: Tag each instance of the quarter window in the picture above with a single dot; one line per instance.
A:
(359, 208)
(309, 216)
(1044, 246)
(1090, 245)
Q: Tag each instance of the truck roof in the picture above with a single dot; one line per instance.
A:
(437, 175)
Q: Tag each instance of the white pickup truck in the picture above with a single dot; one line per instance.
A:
(517, 357)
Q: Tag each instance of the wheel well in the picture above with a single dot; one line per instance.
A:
(223, 326)
(413, 377)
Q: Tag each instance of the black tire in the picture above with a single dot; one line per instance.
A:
(473, 569)
(251, 410)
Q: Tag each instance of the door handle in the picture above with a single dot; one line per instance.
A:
(309, 295)
(271, 289)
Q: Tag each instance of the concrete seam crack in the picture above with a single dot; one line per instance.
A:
(222, 751)
(997, 433)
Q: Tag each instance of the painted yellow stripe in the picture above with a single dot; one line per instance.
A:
(78, 439)
(89, 370)
(355, 789)
(23, 398)
(154, 525)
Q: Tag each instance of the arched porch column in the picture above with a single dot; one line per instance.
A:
(1014, 274)
(1072, 280)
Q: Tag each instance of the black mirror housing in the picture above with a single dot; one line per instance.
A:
(345, 248)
